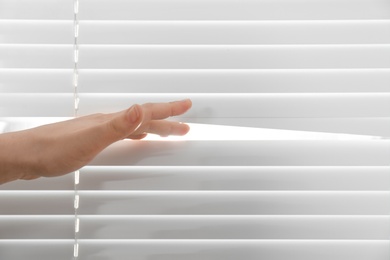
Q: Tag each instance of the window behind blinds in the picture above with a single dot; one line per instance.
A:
(241, 192)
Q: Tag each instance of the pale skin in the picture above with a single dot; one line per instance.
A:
(60, 148)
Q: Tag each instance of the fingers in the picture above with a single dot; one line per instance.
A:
(156, 111)
(147, 119)
(137, 137)
(165, 128)
(162, 128)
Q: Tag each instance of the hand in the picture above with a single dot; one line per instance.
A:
(59, 148)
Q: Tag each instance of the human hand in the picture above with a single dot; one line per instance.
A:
(59, 148)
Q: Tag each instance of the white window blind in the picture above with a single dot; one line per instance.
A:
(239, 192)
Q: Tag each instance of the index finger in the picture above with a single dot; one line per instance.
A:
(157, 111)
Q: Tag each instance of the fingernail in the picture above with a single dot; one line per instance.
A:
(134, 114)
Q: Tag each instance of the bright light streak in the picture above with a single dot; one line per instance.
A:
(219, 132)
(205, 132)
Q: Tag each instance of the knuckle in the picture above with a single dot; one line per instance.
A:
(147, 105)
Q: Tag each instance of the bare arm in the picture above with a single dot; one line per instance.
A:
(59, 148)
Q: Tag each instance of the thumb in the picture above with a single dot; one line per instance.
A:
(125, 122)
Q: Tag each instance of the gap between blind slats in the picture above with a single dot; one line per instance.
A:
(358, 126)
(197, 227)
(197, 32)
(197, 56)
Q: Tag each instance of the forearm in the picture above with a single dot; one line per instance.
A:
(14, 162)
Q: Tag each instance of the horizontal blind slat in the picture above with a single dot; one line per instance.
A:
(305, 32)
(197, 227)
(236, 57)
(217, 178)
(247, 153)
(36, 56)
(197, 57)
(193, 81)
(36, 249)
(240, 228)
(246, 105)
(197, 32)
(235, 178)
(211, 105)
(235, 81)
(38, 9)
(234, 9)
(197, 203)
(36, 227)
(196, 10)
(36, 31)
(181, 249)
